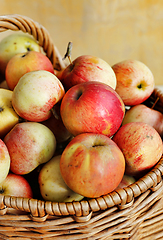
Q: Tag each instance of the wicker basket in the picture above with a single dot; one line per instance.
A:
(134, 212)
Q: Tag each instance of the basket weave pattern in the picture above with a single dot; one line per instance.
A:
(134, 212)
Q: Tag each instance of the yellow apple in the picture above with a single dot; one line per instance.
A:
(52, 185)
(8, 116)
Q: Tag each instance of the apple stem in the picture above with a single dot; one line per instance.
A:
(54, 113)
(154, 104)
(68, 52)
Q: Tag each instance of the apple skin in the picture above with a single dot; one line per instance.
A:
(92, 107)
(35, 94)
(13, 44)
(29, 144)
(16, 185)
(8, 117)
(141, 146)
(52, 185)
(29, 61)
(92, 165)
(135, 81)
(142, 113)
(126, 181)
(4, 161)
(88, 68)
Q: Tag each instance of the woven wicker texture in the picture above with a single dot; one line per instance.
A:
(134, 212)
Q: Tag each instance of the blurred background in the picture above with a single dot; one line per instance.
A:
(113, 30)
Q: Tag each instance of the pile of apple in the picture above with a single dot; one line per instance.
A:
(79, 132)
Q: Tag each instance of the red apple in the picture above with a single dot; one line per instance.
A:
(35, 94)
(88, 68)
(141, 145)
(92, 165)
(92, 107)
(135, 81)
(29, 61)
(16, 185)
(142, 113)
(29, 144)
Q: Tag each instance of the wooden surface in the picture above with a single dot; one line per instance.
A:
(111, 29)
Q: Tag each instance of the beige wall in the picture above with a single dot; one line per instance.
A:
(111, 29)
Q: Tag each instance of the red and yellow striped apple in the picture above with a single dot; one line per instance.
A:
(135, 81)
(88, 68)
(141, 145)
(29, 61)
(92, 165)
(29, 145)
(142, 113)
(92, 107)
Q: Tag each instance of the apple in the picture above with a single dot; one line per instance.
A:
(52, 185)
(4, 161)
(16, 185)
(92, 107)
(13, 44)
(135, 81)
(141, 146)
(29, 61)
(126, 181)
(142, 113)
(8, 117)
(55, 124)
(29, 144)
(88, 68)
(92, 165)
(35, 94)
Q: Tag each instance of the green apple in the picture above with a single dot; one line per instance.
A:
(52, 185)
(13, 44)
